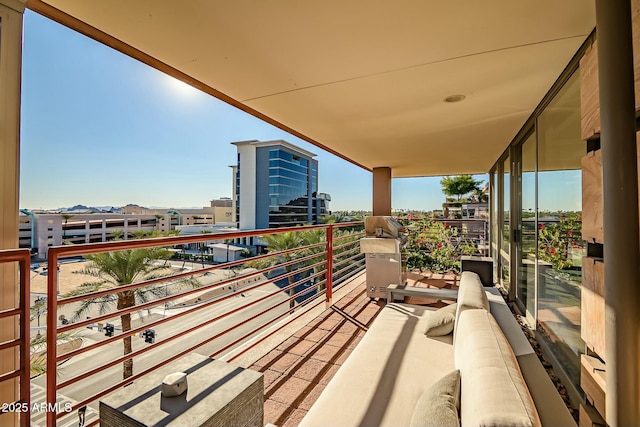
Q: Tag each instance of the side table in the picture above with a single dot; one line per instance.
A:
(218, 394)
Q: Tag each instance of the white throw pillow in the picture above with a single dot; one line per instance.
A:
(441, 321)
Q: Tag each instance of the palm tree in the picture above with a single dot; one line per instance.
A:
(459, 185)
(117, 234)
(38, 351)
(203, 245)
(281, 242)
(121, 268)
(311, 237)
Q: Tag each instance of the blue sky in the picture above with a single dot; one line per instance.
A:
(100, 128)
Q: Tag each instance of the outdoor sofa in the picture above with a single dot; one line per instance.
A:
(484, 373)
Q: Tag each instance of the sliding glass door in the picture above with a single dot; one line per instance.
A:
(526, 229)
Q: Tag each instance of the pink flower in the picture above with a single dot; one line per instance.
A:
(570, 233)
(541, 226)
(439, 245)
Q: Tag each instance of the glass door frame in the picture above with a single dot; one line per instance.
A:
(517, 227)
(498, 235)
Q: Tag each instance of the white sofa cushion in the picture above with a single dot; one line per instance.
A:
(381, 381)
(493, 391)
(471, 295)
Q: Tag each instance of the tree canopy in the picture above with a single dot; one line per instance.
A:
(459, 185)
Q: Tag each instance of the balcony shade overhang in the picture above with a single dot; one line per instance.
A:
(366, 80)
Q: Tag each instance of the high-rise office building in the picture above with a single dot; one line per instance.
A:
(276, 185)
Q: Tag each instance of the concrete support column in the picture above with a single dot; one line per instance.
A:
(382, 191)
(11, 12)
(620, 196)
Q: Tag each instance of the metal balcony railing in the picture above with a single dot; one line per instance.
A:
(18, 315)
(250, 305)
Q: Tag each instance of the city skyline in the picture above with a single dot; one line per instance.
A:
(99, 128)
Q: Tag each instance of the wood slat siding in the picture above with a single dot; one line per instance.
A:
(592, 209)
(590, 94)
(592, 313)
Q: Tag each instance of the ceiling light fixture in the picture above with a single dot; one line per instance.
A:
(454, 98)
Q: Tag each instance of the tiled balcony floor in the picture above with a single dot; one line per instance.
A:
(298, 370)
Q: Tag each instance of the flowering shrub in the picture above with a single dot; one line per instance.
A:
(436, 246)
(557, 240)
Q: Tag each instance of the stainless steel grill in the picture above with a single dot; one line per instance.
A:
(383, 245)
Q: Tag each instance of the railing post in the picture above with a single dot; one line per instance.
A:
(329, 252)
(52, 334)
(25, 327)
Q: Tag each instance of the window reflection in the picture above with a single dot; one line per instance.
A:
(560, 246)
(525, 291)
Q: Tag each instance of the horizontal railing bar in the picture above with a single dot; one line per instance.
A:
(345, 280)
(164, 341)
(90, 399)
(159, 321)
(10, 375)
(349, 275)
(347, 224)
(12, 343)
(355, 246)
(343, 260)
(357, 235)
(345, 268)
(133, 286)
(15, 255)
(168, 298)
(118, 245)
(133, 244)
(346, 251)
(319, 301)
(151, 369)
(156, 322)
(264, 325)
(10, 313)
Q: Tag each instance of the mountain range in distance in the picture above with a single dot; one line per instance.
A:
(114, 209)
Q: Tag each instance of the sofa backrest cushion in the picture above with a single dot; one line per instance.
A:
(493, 391)
(471, 295)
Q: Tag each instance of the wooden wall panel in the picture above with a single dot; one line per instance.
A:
(635, 28)
(592, 313)
(590, 93)
(592, 212)
(589, 88)
(593, 380)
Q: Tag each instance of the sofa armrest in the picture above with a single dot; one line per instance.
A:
(414, 291)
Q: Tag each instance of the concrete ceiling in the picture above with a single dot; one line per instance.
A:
(365, 79)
